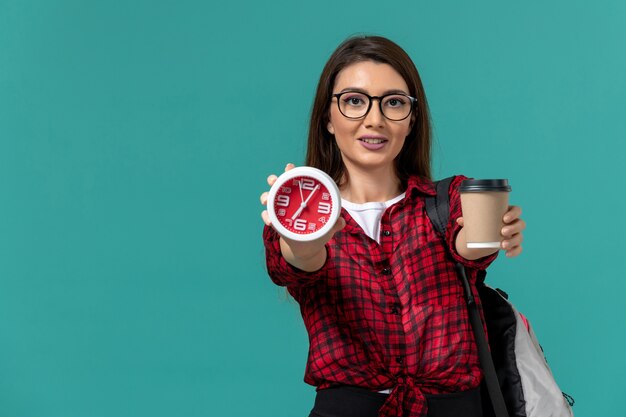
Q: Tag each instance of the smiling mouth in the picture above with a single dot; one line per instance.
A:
(373, 141)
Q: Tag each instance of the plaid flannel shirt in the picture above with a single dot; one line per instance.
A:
(389, 315)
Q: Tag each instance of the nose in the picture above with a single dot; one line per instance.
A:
(374, 117)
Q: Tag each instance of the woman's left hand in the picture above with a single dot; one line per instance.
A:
(512, 231)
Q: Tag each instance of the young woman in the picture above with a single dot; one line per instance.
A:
(388, 325)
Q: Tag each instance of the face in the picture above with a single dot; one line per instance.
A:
(371, 143)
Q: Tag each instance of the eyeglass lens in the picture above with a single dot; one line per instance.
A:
(355, 105)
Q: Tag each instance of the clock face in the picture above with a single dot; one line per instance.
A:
(303, 205)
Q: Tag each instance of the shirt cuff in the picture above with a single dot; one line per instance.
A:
(282, 272)
(480, 263)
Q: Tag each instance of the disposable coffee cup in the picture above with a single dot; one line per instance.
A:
(484, 203)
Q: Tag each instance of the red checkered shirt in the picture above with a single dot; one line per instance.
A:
(389, 315)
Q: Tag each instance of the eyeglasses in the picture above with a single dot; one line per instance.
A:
(356, 105)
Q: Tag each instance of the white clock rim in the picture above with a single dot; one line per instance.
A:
(322, 177)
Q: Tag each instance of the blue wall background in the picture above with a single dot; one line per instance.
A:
(135, 139)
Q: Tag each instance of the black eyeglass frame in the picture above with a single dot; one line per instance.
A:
(380, 104)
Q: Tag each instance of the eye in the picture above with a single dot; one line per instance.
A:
(354, 100)
(395, 101)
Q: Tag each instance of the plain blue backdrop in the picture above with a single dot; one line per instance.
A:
(135, 140)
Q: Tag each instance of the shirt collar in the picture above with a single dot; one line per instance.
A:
(420, 184)
(415, 185)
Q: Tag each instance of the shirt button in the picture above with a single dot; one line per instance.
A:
(387, 233)
(399, 359)
(394, 309)
(386, 271)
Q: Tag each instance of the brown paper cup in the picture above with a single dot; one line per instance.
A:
(484, 203)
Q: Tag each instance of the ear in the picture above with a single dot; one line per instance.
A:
(330, 128)
(411, 123)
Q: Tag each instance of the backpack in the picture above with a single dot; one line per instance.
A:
(518, 379)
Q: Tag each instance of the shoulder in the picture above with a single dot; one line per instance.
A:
(456, 182)
(422, 185)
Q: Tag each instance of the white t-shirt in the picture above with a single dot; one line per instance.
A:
(368, 215)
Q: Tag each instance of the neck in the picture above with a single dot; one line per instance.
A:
(370, 185)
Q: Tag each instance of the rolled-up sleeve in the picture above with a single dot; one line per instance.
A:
(280, 271)
(453, 229)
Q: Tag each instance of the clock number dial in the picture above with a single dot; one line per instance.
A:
(309, 211)
(323, 208)
(304, 203)
(300, 224)
(308, 183)
(282, 200)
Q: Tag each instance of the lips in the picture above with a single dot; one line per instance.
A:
(373, 142)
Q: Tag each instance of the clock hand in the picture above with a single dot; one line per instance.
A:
(300, 187)
(311, 195)
(304, 203)
(297, 213)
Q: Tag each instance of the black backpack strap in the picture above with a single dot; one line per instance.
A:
(438, 207)
(438, 210)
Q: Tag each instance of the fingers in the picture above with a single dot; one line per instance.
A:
(270, 181)
(513, 237)
(511, 232)
(512, 242)
(512, 214)
(513, 246)
(513, 252)
(272, 178)
(341, 223)
(265, 217)
(513, 228)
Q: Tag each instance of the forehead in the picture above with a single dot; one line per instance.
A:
(373, 77)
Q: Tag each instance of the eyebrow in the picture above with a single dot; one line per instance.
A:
(360, 90)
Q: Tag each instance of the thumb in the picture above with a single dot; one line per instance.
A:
(460, 221)
(340, 224)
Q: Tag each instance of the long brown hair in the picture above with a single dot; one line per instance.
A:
(322, 150)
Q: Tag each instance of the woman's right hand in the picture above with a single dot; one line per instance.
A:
(308, 256)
